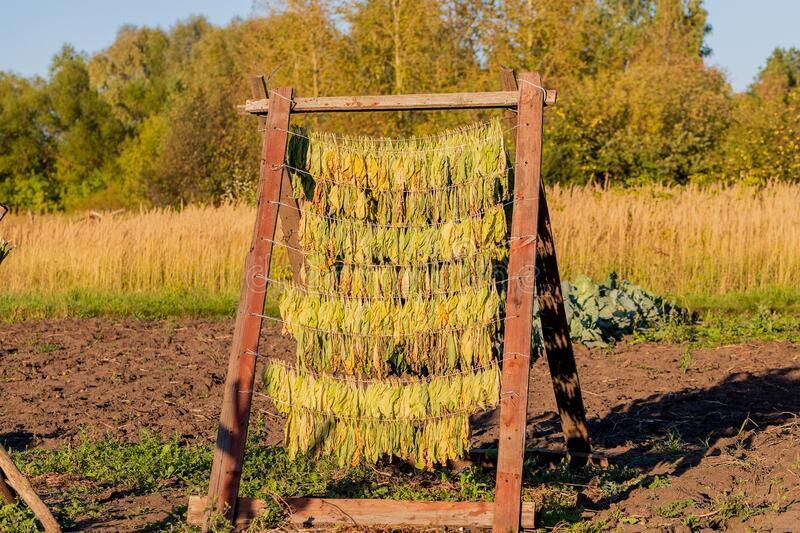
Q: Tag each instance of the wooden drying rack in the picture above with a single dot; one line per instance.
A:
(530, 217)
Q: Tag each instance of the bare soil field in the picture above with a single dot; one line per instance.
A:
(713, 432)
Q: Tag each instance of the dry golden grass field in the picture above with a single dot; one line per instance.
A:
(679, 241)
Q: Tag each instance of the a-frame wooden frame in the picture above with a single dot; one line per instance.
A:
(532, 264)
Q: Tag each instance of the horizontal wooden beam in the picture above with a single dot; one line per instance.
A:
(398, 102)
(314, 512)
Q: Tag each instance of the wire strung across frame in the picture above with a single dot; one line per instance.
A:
(386, 140)
(390, 380)
(504, 202)
(339, 296)
(396, 140)
(527, 238)
(421, 190)
(451, 414)
(436, 331)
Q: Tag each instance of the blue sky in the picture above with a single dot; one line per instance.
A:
(31, 31)
(744, 33)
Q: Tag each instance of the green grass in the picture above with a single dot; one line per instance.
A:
(153, 464)
(92, 469)
(17, 518)
(148, 464)
(715, 328)
(139, 305)
(782, 299)
(674, 509)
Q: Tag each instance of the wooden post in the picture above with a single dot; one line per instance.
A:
(519, 306)
(6, 493)
(288, 212)
(555, 327)
(17, 481)
(226, 469)
(557, 342)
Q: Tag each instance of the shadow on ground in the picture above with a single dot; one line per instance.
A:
(730, 432)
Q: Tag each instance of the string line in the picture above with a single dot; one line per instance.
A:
(509, 200)
(366, 138)
(527, 238)
(381, 335)
(379, 140)
(330, 414)
(389, 380)
(339, 296)
(544, 91)
(422, 190)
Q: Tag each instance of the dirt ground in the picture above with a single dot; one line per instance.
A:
(724, 431)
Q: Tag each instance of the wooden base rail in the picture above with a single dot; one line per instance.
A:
(315, 512)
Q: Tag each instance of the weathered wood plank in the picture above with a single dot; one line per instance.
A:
(398, 102)
(20, 484)
(557, 341)
(6, 493)
(519, 306)
(238, 394)
(315, 512)
(289, 217)
(556, 337)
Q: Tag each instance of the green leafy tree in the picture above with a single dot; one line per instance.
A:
(151, 118)
(764, 140)
(661, 118)
(85, 131)
(131, 74)
(203, 146)
(299, 41)
(27, 151)
(402, 46)
(654, 123)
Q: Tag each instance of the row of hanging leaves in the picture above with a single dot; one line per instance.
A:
(405, 182)
(395, 281)
(434, 335)
(405, 242)
(367, 410)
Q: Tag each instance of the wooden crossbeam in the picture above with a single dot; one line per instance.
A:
(317, 512)
(398, 102)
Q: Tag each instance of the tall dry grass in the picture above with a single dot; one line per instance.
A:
(682, 241)
(143, 251)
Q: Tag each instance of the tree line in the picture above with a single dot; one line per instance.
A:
(150, 119)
